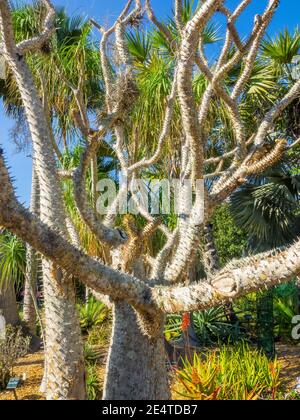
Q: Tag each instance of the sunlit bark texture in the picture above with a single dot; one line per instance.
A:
(143, 288)
(30, 290)
(8, 303)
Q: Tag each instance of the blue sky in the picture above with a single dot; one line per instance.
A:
(105, 11)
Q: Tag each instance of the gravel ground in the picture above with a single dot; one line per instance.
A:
(32, 366)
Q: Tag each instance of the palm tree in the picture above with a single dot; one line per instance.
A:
(12, 270)
(279, 54)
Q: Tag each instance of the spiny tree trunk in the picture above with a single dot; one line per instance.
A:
(30, 290)
(65, 363)
(136, 368)
(8, 303)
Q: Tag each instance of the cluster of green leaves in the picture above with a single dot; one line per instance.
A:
(211, 327)
(230, 373)
(73, 51)
(230, 238)
(267, 209)
(95, 321)
(93, 384)
(12, 259)
(92, 314)
(286, 307)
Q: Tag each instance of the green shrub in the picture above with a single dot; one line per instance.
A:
(93, 383)
(231, 373)
(92, 314)
(92, 353)
(14, 346)
(292, 396)
(210, 327)
(285, 308)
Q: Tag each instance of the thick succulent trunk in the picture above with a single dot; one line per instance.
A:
(136, 368)
(8, 303)
(30, 289)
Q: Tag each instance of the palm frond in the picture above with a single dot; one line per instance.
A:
(12, 259)
(267, 212)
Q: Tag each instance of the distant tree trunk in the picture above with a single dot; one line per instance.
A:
(265, 323)
(136, 368)
(31, 262)
(8, 303)
(298, 284)
(230, 313)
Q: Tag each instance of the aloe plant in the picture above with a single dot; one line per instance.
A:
(230, 373)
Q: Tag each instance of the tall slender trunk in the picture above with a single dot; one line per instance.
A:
(30, 290)
(136, 368)
(65, 371)
(265, 323)
(8, 303)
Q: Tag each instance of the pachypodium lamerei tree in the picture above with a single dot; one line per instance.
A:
(144, 289)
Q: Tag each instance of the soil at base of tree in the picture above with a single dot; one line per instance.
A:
(33, 366)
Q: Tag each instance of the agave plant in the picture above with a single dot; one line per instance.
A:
(210, 327)
(92, 314)
(92, 353)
